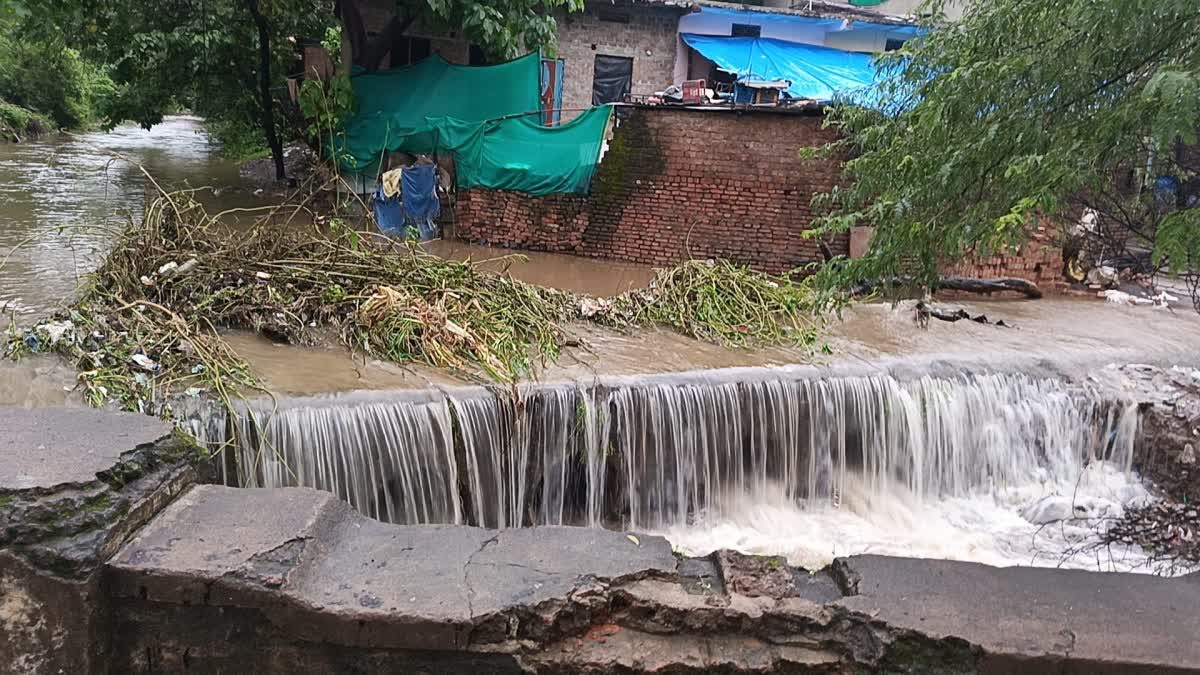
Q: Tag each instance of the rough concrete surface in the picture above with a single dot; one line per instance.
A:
(80, 482)
(1102, 622)
(215, 585)
(327, 573)
(50, 447)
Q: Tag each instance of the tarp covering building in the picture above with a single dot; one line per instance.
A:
(522, 155)
(393, 106)
(816, 73)
(488, 116)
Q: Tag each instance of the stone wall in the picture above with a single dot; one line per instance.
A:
(678, 184)
(648, 37)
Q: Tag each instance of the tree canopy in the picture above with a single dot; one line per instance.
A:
(207, 56)
(1025, 109)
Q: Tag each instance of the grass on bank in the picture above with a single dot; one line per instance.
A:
(146, 326)
(18, 124)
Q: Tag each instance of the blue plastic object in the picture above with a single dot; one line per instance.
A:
(419, 196)
(389, 213)
(816, 73)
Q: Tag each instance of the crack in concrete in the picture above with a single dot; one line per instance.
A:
(467, 573)
(519, 566)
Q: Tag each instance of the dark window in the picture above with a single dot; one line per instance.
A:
(746, 30)
(613, 16)
(612, 79)
(408, 50)
(892, 45)
(477, 57)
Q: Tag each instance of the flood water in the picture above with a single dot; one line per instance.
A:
(972, 453)
(583, 275)
(62, 195)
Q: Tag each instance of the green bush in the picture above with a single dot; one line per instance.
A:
(17, 122)
(53, 80)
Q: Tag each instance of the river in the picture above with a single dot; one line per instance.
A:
(62, 195)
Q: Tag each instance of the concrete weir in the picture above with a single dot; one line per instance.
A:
(116, 558)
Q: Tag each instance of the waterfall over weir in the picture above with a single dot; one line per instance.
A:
(657, 455)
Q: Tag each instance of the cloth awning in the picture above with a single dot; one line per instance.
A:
(816, 73)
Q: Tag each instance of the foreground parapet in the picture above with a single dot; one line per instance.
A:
(213, 586)
(74, 484)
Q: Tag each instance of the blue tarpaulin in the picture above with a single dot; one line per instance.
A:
(816, 73)
(768, 19)
(419, 195)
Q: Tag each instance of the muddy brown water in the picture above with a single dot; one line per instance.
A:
(583, 275)
(61, 196)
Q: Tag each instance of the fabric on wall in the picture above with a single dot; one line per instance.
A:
(612, 80)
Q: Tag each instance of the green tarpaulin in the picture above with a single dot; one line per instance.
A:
(481, 114)
(520, 154)
(392, 106)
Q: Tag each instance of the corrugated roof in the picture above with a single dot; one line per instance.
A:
(817, 8)
(821, 9)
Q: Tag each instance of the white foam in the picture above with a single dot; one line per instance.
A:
(1040, 524)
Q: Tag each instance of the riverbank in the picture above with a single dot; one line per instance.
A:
(18, 124)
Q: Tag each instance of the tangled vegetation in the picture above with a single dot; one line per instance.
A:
(17, 123)
(146, 326)
(719, 301)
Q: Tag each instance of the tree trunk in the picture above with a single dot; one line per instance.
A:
(971, 285)
(1026, 288)
(264, 87)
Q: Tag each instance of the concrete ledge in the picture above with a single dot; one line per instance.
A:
(322, 572)
(77, 483)
(1090, 622)
(283, 581)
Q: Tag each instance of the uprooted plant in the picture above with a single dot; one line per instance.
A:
(146, 326)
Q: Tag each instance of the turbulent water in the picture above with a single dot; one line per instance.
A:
(968, 467)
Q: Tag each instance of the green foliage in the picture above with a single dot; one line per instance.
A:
(197, 54)
(46, 76)
(202, 54)
(503, 28)
(1021, 108)
(1178, 241)
(17, 122)
(719, 301)
(326, 106)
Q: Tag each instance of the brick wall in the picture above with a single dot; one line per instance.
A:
(1040, 261)
(649, 38)
(677, 184)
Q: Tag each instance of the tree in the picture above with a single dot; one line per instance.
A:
(1022, 110)
(224, 59)
(503, 28)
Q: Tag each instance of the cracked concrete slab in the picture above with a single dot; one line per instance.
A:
(529, 566)
(294, 579)
(1104, 621)
(46, 448)
(357, 581)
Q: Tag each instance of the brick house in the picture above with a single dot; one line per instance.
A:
(675, 182)
(635, 41)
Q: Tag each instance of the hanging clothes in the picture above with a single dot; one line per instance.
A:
(391, 183)
(420, 198)
(389, 213)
